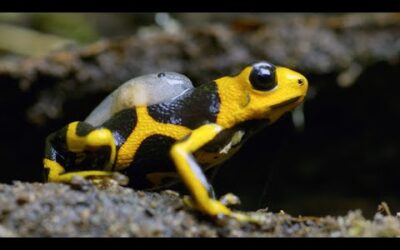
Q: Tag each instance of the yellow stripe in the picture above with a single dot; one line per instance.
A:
(75, 143)
(96, 138)
(234, 94)
(146, 126)
(102, 137)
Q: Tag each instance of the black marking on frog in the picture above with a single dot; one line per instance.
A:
(152, 156)
(122, 124)
(83, 129)
(193, 109)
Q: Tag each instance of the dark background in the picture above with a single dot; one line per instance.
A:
(345, 156)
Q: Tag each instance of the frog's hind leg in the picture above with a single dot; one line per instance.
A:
(56, 172)
(76, 138)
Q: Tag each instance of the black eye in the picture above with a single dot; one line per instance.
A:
(262, 77)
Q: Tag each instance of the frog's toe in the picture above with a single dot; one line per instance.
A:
(211, 207)
(229, 200)
(188, 202)
(113, 179)
(247, 218)
(218, 209)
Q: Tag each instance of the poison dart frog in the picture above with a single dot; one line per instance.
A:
(158, 127)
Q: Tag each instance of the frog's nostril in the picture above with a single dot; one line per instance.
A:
(300, 81)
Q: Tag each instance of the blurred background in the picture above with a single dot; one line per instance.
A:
(340, 151)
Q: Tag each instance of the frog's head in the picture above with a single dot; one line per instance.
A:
(261, 91)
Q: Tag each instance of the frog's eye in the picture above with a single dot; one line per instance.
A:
(262, 76)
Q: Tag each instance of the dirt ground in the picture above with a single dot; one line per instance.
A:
(82, 210)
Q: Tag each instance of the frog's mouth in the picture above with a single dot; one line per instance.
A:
(286, 103)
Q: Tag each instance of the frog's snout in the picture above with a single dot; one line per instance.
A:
(289, 77)
(297, 79)
(294, 83)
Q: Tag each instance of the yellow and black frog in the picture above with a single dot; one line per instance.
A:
(158, 127)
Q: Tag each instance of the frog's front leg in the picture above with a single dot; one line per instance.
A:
(76, 138)
(191, 173)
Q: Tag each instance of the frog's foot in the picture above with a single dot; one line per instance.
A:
(248, 218)
(106, 181)
(218, 209)
(56, 173)
(211, 207)
(100, 179)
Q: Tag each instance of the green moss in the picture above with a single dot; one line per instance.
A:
(74, 26)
